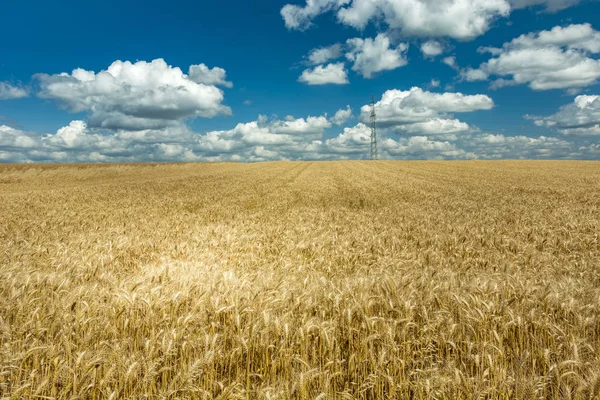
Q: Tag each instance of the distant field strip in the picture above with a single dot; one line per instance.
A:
(290, 280)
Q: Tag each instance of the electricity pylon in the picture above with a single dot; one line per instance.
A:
(374, 155)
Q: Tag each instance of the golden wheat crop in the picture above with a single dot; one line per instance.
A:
(335, 280)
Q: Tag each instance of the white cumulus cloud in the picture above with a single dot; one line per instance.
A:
(434, 126)
(264, 139)
(418, 112)
(252, 141)
(11, 139)
(325, 54)
(134, 96)
(580, 118)
(353, 140)
(8, 91)
(473, 75)
(576, 36)
(434, 83)
(561, 58)
(432, 48)
(374, 55)
(500, 146)
(450, 61)
(342, 116)
(300, 18)
(334, 73)
(459, 19)
(70, 136)
(287, 139)
(421, 147)
(202, 74)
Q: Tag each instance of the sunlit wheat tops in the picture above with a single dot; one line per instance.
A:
(342, 280)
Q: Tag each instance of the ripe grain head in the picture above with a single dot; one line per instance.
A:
(300, 280)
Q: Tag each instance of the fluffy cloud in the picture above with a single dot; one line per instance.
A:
(11, 139)
(263, 139)
(21, 146)
(202, 74)
(300, 126)
(342, 116)
(321, 75)
(324, 54)
(418, 112)
(450, 61)
(459, 19)
(300, 18)
(137, 96)
(497, 146)
(422, 147)
(259, 140)
(473, 75)
(374, 55)
(581, 118)
(77, 142)
(368, 56)
(354, 140)
(69, 136)
(433, 126)
(355, 143)
(556, 59)
(432, 48)
(8, 91)
(580, 37)
(253, 141)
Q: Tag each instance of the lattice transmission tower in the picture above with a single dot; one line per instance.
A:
(374, 155)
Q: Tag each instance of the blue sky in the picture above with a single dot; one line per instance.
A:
(453, 79)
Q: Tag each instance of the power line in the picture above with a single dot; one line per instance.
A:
(374, 155)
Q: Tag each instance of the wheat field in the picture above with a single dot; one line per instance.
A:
(325, 280)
